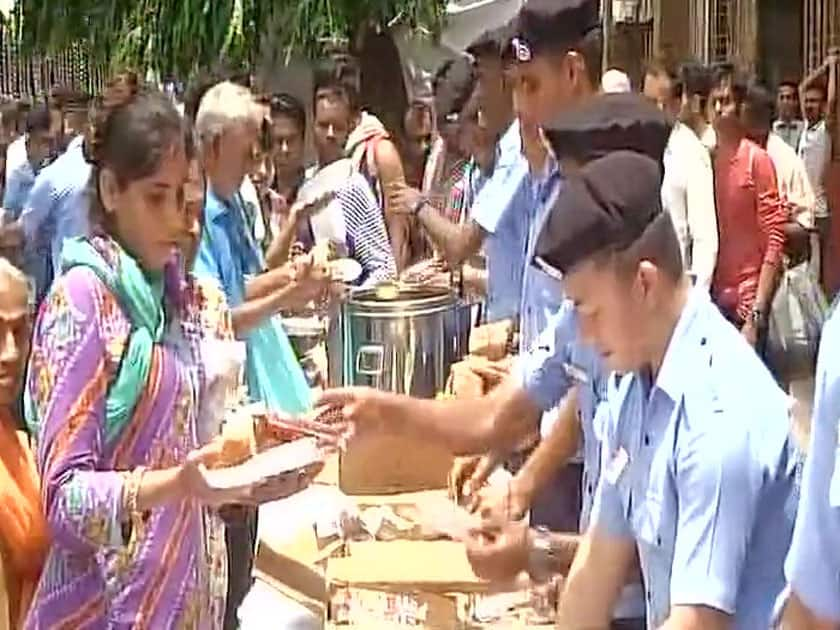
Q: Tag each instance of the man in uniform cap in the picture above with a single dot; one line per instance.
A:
(556, 68)
(497, 220)
(608, 123)
(698, 467)
(565, 365)
(557, 49)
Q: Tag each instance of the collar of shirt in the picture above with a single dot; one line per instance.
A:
(229, 216)
(215, 206)
(509, 147)
(817, 126)
(672, 373)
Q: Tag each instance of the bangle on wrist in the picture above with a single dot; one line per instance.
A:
(131, 490)
(135, 478)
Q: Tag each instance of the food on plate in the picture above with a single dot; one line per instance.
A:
(299, 456)
(238, 439)
(346, 270)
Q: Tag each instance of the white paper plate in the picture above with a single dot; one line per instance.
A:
(346, 270)
(267, 465)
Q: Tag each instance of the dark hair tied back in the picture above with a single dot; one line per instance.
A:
(134, 126)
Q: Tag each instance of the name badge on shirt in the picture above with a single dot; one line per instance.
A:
(576, 373)
(616, 466)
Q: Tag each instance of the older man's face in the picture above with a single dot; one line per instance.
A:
(233, 158)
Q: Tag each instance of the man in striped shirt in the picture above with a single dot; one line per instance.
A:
(365, 235)
(355, 210)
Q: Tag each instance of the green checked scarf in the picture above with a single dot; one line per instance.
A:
(141, 297)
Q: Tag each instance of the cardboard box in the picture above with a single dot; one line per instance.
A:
(354, 607)
(294, 571)
(401, 584)
(388, 465)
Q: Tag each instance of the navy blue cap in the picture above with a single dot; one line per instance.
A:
(495, 42)
(607, 123)
(453, 85)
(552, 25)
(609, 203)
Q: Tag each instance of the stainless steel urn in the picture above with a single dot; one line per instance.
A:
(402, 342)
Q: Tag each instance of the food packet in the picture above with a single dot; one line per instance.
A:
(223, 362)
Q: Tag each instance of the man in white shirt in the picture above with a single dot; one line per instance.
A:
(688, 186)
(815, 141)
(789, 124)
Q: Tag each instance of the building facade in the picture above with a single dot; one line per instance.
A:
(776, 39)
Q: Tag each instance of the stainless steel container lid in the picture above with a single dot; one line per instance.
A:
(399, 299)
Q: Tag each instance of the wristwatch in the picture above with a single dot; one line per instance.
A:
(757, 317)
(541, 560)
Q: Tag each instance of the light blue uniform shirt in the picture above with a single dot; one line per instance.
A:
(57, 208)
(700, 474)
(500, 209)
(813, 563)
(556, 362)
(19, 184)
(227, 251)
(542, 295)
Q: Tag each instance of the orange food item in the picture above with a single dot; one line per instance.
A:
(238, 440)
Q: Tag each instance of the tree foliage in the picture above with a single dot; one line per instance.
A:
(178, 36)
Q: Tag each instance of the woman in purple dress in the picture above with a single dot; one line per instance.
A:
(114, 395)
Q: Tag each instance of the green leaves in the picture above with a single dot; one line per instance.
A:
(178, 36)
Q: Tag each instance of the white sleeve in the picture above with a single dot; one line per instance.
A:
(702, 221)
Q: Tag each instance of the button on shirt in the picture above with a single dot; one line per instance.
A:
(700, 474)
(813, 563)
(59, 203)
(501, 210)
(688, 194)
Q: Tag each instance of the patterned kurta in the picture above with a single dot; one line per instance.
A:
(170, 571)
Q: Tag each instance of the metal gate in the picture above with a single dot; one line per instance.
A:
(30, 76)
(821, 22)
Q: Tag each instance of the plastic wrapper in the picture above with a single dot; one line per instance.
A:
(223, 364)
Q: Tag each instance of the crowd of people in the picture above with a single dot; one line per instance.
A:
(638, 243)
